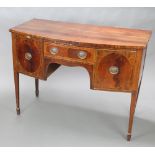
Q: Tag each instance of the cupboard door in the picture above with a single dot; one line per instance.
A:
(114, 70)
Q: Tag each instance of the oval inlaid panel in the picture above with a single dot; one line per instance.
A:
(115, 70)
(24, 47)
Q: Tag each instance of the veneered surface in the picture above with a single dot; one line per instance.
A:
(24, 46)
(69, 53)
(84, 33)
(125, 62)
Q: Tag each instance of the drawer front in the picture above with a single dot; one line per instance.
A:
(69, 53)
(114, 70)
(29, 55)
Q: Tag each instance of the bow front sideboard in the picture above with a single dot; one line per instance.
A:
(113, 57)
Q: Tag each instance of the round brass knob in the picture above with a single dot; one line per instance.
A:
(54, 50)
(28, 56)
(82, 54)
(114, 70)
(28, 37)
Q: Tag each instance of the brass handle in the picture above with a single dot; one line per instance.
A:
(82, 54)
(28, 56)
(114, 70)
(54, 50)
(28, 37)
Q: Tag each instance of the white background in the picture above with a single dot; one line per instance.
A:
(67, 112)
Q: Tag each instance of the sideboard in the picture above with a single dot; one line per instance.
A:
(114, 57)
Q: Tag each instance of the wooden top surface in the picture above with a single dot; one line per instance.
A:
(84, 33)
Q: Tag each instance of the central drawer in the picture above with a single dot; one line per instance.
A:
(69, 52)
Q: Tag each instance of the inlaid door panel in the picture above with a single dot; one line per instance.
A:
(29, 55)
(114, 70)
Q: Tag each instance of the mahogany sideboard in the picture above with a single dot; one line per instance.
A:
(113, 57)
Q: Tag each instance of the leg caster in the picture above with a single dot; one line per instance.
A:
(37, 87)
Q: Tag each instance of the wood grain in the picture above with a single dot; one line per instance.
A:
(22, 45)
(125, 62)
(32, 47)
(85, 33)
(105, 47)
(69, 52)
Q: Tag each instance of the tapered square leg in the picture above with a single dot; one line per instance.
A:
(134, 97)
(37, 87)
(16, 80)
